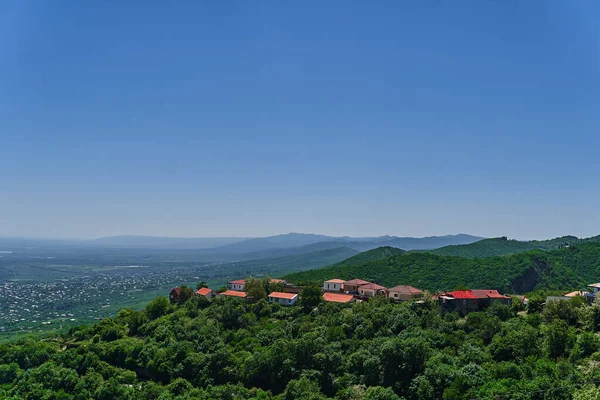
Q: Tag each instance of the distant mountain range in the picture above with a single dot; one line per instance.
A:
(228, 245)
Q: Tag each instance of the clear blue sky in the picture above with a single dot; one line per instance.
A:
(251, 118)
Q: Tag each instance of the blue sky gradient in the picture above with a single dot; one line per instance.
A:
(242, 118)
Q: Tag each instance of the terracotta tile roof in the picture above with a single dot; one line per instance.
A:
(488, 294)
(281, 295)
(356, 282)
(337, 297)
(234, 293)
(274, 280)
(372, 286)
(462, 294)
(204, 291)
(176, 290)
(335, 281)
(405, 289)
(238, 282)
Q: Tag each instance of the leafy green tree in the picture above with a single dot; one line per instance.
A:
(185, 294)
(201, 285)
(303, 389)
(380, 393)
(9, 373)
(256, 288)
(515, 342)
(502, 311)
(558, 338)
(158, 307)
(587, 392)
(563, 310)
(311, 297)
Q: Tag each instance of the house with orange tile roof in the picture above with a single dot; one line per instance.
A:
(238, 284)
(338, 297)
(206, 292)
(404, 293)
(286, 299)
(371, 290)
(334, 285)
(352, 285)
(235, 293)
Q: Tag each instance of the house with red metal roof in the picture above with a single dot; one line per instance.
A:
(206, 292)
(461, 301)
(352, 285)
(338, 297)
(286, 299)
(371, 290)
(235, 293)
(404, 293)
(334, 285)
(238, 284)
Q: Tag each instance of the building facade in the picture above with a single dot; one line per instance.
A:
(285, 299)
(334, 285)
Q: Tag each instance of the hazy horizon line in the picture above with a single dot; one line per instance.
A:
(91, 238)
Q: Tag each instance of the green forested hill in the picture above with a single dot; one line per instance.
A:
(228, 349)
(567, 268)
(372, 255)
(503, 246)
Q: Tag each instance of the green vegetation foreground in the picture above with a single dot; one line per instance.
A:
(228, 349)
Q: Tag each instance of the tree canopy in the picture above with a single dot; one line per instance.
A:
(228, 348)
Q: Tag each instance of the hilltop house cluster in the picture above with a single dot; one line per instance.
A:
(341, 291)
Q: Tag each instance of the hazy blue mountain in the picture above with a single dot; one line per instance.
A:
(291, 240)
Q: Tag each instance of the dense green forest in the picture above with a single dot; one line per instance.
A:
(230, 349)
(568, 268)
(503, 246)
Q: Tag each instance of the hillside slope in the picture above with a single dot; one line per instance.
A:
(372, 255)
(503, 246)
(567, 268)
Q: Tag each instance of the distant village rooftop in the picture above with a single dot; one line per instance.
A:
(282, 295)
(356, 282)
(234, 293)
(372, 286)
(461, 294)
(338, 297)
(204, 291)
(405, 288)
